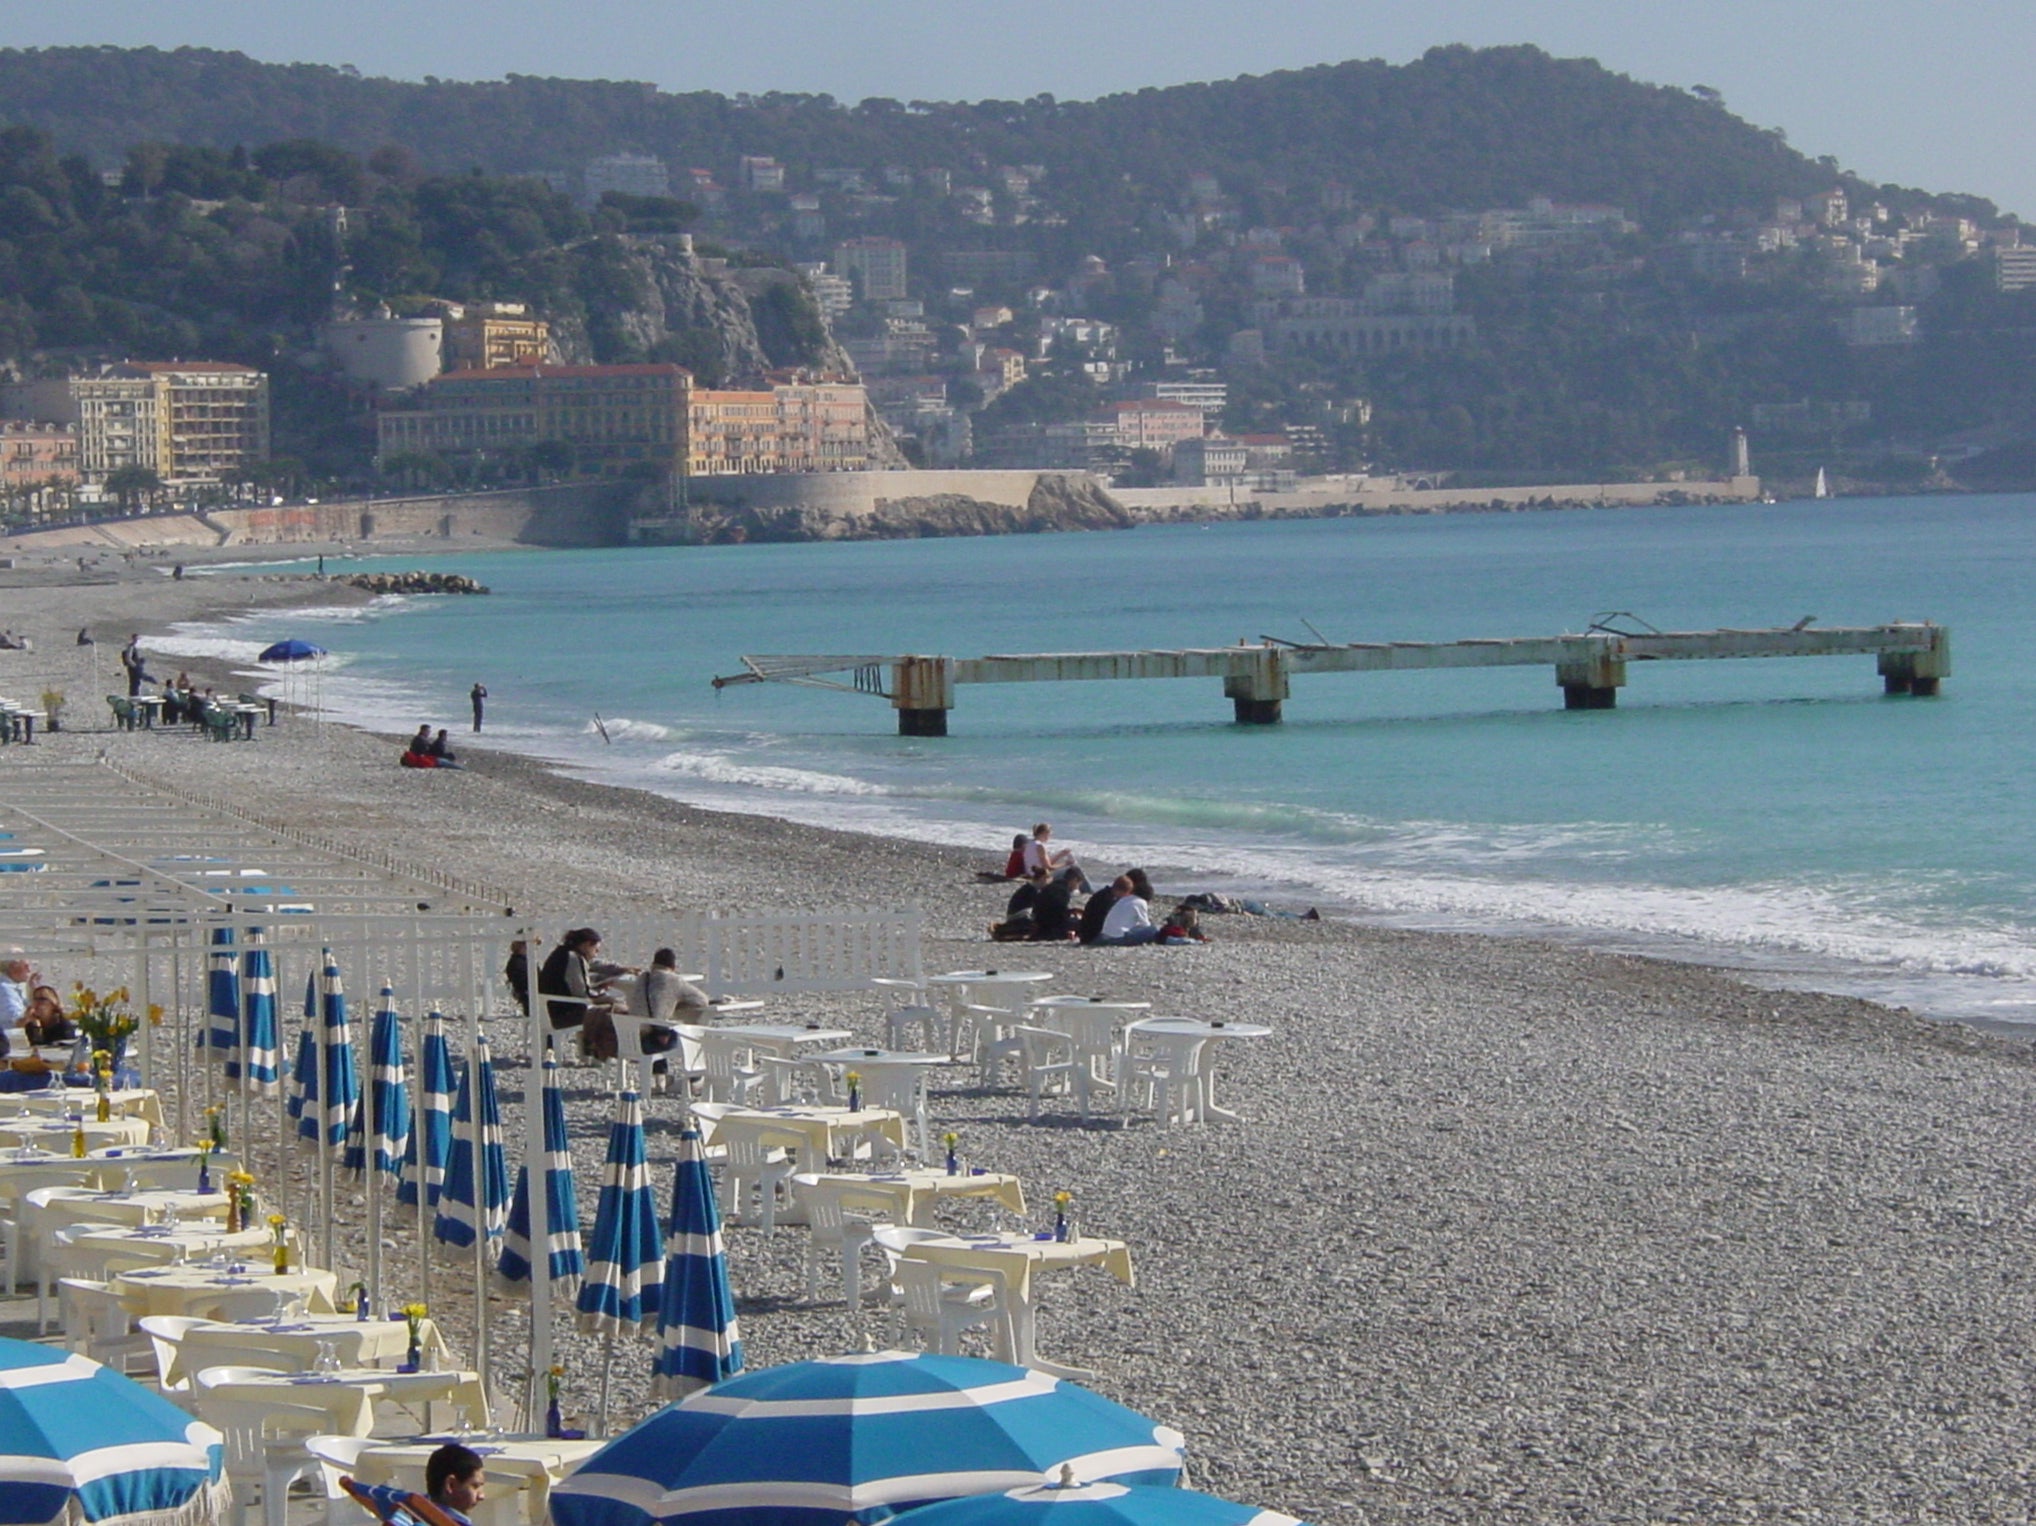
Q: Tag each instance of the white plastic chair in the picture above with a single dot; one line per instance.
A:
(1048, 1056)
(726, 1080)
(938, 1303)
(165, 1334)
(756, 1155)
(337, 1457)
(903, 1091)
(1169, 1075)
(265, 1449)
(16, 1236)
(838, 1219)
(97, 1324)
(61, 1256)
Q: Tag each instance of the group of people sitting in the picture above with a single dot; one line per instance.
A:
(1119, 915)
(428, 751)
(183, 702)
(582, 990)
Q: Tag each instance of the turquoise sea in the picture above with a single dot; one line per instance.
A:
(1781, 816)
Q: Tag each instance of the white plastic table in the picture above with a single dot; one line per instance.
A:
(778, 1040)
(915, 1193)
(1016, 1257)
(185, 1289)
(192, 1243)
(52, 1133)
(1184, 1039)
(892, 1078)
(1003, 987)
(126, 1102)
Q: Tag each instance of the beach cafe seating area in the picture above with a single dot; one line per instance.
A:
(171, 1205)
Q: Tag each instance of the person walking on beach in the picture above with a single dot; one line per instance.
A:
(478, 694)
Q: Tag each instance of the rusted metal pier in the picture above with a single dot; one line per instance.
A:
(1913, 658)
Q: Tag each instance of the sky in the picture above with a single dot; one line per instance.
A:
(1923, 94)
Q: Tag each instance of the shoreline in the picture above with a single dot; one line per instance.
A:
(1508, 1230)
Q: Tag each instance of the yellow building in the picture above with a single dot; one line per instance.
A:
(612, 416)
(186, 421)
(488, 335)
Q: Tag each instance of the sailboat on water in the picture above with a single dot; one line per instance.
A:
(1823, 489)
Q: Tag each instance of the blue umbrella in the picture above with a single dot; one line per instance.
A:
(79, 1444)
(476, 1195)
(620, 1292)
(859, 1438)
(1073, 1504)
(292, 650)
(432, 1131)
(384, 1137)
(261, 1052)
(697, 1339)
(222, 999)
(562, 1203)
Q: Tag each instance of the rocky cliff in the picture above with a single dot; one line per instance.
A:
(1056, 502)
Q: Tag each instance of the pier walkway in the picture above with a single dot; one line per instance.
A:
(1912, 658)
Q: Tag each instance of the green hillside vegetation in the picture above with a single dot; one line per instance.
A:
(1618, 355)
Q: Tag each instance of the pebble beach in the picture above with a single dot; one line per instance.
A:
(1508, 1231)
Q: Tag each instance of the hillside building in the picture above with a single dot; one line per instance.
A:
(875, 265)
(631, 174)
(34, 456)
(486, 335)
(189, 422)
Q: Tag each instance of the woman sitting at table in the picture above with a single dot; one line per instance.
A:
(571, 971)
(44, 1022)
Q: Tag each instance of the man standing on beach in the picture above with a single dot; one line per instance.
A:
(478, 694)
(137, 668)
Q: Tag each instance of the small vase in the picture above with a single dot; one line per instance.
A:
(233, 1213)
(855, 1099)
(554, 1422)
(953, 1165)
(413, 1359)
(282, 1260)
(1060, 1227)
(204, 1174)
(105, 1108)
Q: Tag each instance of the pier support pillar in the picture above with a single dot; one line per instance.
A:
(1257, 685)
(1918, 673)
(1592, 684)
(922, 692)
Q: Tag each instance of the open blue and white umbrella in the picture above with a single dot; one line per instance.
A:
(860, 1438)
(81, 1444)
(625, 1261)
(1077, 1504)
(429, 1152)
(222, 999)
(697, 1339)
(261, 1049)
(562, 1203)
(291, 650)
(476, 1195)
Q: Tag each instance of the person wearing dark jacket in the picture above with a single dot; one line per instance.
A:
(1098, 907)
(1052, 912)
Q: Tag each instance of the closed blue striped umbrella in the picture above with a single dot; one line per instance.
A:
(222, 1000)
(858, 1439)
(562, 1202)
(328, 1105)
(81, 1444)
(1073, 1504)
(431, 1134)
(476, 1195)
(385, 1133)
(624, 1258)
(261, 1054)
(697, 1339)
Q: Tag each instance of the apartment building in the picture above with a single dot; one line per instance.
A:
(189, 422)
(875, 265)
(37, 455)
(490, 334)
(613, 416)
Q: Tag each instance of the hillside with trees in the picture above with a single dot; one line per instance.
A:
(1622, 272)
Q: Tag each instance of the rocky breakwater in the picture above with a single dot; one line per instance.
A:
(1057, 501)
(415, 582)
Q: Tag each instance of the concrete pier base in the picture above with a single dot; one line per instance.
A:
(1917, 673)
(1256, 712)
(1257, 686)
(1592, 684)
(922, 723)
(1589, 697)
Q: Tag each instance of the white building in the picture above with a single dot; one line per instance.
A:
(630, 174)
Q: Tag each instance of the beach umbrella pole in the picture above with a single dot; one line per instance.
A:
(538, 1180)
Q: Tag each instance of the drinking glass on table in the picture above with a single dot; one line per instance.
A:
(171, 1218)
(328, 1357)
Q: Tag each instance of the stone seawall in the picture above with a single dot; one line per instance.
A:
(1339, 497)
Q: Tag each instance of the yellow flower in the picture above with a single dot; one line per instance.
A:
(155, 1014)
(277, 1221)
(1062, 1198)
(413, 1311)
(950, 1139)
(241, 1178)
